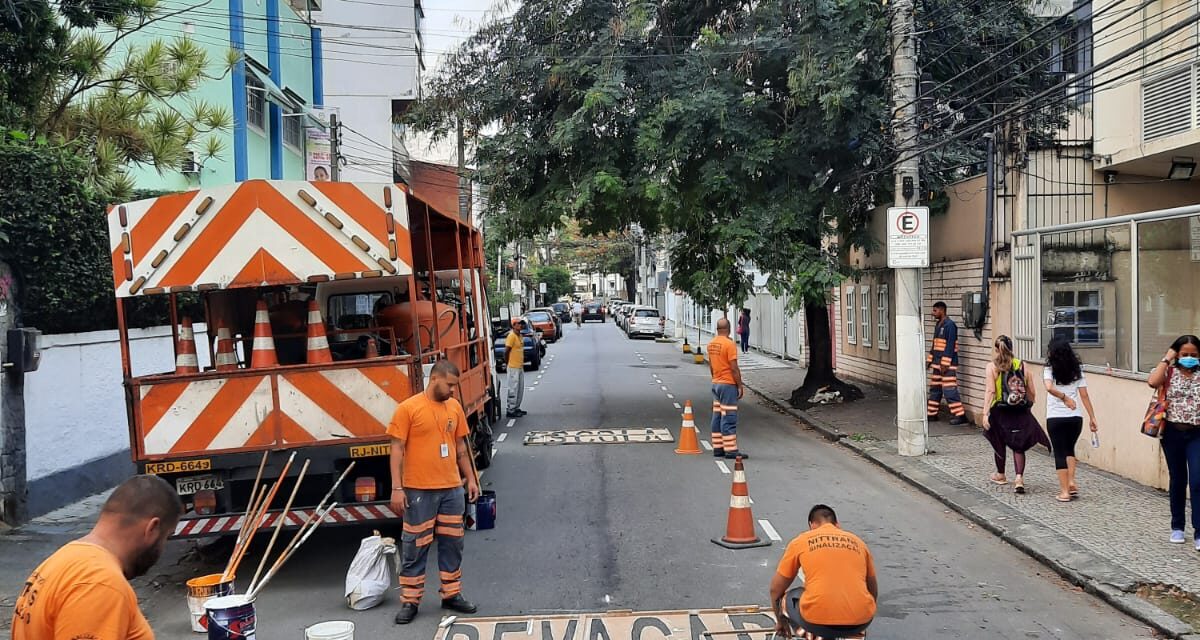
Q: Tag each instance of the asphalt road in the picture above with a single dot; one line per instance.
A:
(628, 526)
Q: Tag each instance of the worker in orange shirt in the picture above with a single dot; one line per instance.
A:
(429, 460)
(82, 590)
(838, 589)
(727, 389)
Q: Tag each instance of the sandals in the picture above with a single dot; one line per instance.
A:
(1001, 481)
(1069, 498)
(1074, 491)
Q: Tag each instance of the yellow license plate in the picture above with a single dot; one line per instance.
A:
(179, 466)
(370, 450)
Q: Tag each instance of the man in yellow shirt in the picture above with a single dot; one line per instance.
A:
(82, 590)
(514, 358)
(727, 389)
(429, 460)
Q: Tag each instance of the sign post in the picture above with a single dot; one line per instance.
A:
(908, 253)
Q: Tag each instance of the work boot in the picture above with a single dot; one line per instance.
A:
(459, 604)
(407, 612)
(718, 453)
(737, 454)
(958, 421)
(934, 418)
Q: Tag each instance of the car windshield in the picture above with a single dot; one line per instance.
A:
(593, 307)
(646, 313)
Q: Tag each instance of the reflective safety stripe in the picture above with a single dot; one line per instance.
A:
(739, 502)
(449, 576)
(729, 408)
(187, 360)
(739, 476)
(319, 342)
(418, 529)
(414, 581)
(264, 344)
(425, 541)
(453, 532)
(444, 518)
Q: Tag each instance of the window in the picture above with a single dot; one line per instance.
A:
(256, 102)
(646, 313)
(883, 309)
(1075, 316)
(293, 130)
(357, 310)
(864, 314)
(1168, 270)
(848, 309)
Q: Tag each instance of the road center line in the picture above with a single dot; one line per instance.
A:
(512, 422)
(771, 532)
(721, 464)
(664, 388)
(502, 437)
(529, 389)
(677, 406)
(706, 444)
(670, 396)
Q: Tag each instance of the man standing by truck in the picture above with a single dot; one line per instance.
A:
(429, 459)
(514, 357)
(943, 367)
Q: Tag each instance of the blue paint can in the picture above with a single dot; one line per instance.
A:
(485, 510)
(230, 618)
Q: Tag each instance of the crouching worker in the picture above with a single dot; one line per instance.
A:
(836, 598)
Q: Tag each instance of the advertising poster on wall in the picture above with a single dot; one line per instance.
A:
(318, 153)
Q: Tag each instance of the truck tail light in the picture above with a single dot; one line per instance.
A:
(204, 503)
(364, 489)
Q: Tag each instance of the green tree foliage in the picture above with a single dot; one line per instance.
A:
(558, 281)
(750, 133)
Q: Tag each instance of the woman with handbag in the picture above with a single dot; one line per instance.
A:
(1066, 395)
(1178, 381)
(1009, 422)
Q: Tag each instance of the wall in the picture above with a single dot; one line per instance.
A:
(76, 397)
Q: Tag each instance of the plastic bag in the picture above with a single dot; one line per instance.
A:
(370, 574)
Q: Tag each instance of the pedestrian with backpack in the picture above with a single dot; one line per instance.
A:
(1009, 420)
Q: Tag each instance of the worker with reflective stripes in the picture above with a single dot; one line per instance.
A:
(727, 389)
(942, 362)
(429, 459)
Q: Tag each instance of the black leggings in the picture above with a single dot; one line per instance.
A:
(1064, 433)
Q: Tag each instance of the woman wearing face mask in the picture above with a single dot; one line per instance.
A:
(1181, 433)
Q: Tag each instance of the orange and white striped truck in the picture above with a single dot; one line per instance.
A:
(397, 285)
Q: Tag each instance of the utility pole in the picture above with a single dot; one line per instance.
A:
(464, 208)
(335, 148)
(910, 336)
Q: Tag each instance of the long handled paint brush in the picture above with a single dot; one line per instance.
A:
(279, 523)
(261, 517)
(297, 541)
(247, 519)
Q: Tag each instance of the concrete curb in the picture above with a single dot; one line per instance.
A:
(1077, 564)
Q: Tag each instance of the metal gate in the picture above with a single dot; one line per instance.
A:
(1026, 297)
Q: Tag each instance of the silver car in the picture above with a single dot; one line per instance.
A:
(644, 321)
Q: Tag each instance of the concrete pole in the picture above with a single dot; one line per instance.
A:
(910, 339)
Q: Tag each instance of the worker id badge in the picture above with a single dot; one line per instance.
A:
(445, 450)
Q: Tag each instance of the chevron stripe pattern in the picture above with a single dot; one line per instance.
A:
(237, 413)
(259, 233)
(216, 525)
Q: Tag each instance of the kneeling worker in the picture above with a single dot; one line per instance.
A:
(839, 590)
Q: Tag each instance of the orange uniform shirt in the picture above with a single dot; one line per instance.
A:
(836, 565)
(426, 427)
(722, 353)
(79, 593)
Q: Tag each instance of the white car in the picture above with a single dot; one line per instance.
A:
(644, 321)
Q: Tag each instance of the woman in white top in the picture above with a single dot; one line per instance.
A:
(1066, 389)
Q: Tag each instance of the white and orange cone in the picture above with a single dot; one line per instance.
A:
(263, 354)
(186, 360)
(739, 528)
(318, 342)
(226, 359)
(689, 444)
(372, 349)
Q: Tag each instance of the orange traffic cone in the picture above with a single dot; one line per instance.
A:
(372, 349)
(739, 530)
(688, 443)
(318, 342)
(186, 360)
(263, 354)
(226, 360)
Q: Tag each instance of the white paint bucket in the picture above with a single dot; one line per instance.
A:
(332, 630)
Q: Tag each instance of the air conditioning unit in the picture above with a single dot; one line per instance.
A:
(189, 166)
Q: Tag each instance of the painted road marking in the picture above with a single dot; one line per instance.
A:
(664, 388)
(616, 624)
(670, 396)
(494, 452)
(536, 382)
(771, 532)
(512, 422)
(502, 437)
(677, 406)
(706, 444)
(530, 389)
(599, 436)
(721, 464)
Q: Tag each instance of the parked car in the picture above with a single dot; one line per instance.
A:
(623, 314)
(613, 305)
(593, 311)
(563, 310)
(644, 321)
(558, 322)
(545, 321)
(535, 348)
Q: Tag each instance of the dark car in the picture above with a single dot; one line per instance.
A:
(563, 310)
(534, 347)
(593, 311)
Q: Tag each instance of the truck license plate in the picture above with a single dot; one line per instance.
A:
(192, 484)
(370, 450)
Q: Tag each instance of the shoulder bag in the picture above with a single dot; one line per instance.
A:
(1156, 413)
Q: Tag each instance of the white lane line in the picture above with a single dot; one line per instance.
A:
(494, 452)
(607, 599)
(529, 389)
(512, 422)
(677, 406)
(771, 532)
(502, 437)
(706, 444)
(664, 388)
(721, 464)
(670, 396)
(536, 382)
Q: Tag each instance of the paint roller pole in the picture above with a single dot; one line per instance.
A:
(261, 516)
(279, 523)
(299, 539)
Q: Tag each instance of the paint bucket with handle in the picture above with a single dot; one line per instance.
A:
(482, 513)
(332, 630)
(230, 618)
(201, 590)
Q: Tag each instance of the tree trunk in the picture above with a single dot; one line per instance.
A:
(630, 284)
(820, 377)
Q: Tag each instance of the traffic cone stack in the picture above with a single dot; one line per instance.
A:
(186, 360)
(318, 342)
(226, 360)
(263, 354)
(689, 444)
(372, 349)
(739, 529)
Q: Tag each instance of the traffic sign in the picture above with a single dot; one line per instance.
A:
(908, 237)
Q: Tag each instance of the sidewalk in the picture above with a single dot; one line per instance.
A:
(1111, 541)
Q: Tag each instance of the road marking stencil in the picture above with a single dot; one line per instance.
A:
(502, 437)
(599, 436)
(677, 406)
(511, 422)
(704, 624)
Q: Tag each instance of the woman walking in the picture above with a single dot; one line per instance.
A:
(1181, 433)
(1009, 421)
(1066, 389)
(743, 329)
